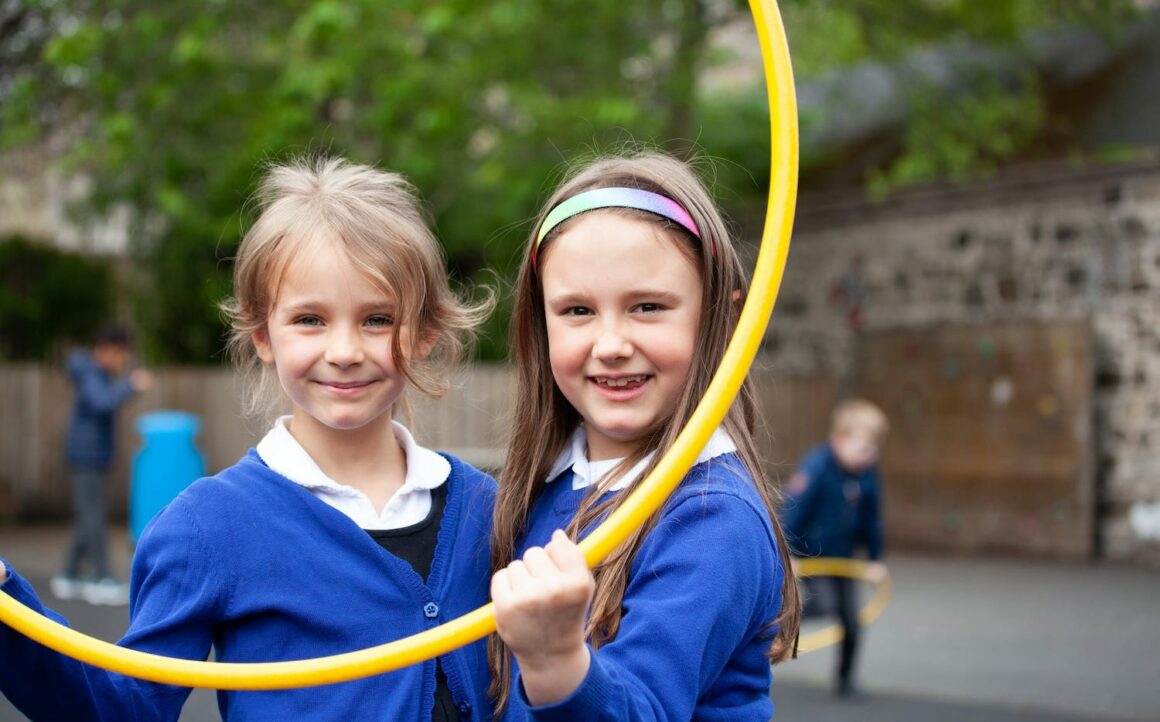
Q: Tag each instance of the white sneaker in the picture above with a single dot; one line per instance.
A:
(66, 587)
(107, 591)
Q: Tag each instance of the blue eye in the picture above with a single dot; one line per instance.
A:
(308, 321)
(380, 321)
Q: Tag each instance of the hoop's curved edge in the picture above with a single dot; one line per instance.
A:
(648, 497)
(836, 567)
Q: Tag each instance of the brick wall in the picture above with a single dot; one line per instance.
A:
(1048, 245)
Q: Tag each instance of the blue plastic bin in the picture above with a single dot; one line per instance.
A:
(167, 463)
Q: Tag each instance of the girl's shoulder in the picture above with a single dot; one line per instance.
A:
(471, 494)
(725, 474)
(720, 491)
(208, 511)
(718, 499)
(717, 524)
(247, 483)
(471, 476)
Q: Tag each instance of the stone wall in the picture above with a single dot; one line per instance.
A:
(1041, 245)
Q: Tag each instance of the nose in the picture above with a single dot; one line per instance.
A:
(344, 347)
(612, 343)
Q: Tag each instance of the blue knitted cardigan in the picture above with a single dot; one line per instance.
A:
(255, 567)
(698, 608)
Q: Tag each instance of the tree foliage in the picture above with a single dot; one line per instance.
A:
(173, 106)
(49, 297)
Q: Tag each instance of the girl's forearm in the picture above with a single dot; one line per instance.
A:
(548, 680)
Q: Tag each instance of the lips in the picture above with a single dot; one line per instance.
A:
(622, 388)
(345, 388)
(346, 384)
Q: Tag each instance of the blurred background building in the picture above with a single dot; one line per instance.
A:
(976, 248)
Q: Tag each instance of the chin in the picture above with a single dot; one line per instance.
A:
(346, 423)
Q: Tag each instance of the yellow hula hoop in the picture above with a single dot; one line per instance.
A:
(835, 567)
(648, 497)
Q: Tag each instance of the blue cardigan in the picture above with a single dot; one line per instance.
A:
(835, 512)
(255, 566)
(701, 595)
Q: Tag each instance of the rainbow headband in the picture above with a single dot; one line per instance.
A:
(641, 200)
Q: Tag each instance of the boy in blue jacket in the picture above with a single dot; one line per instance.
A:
(102, 383)
(832, 510)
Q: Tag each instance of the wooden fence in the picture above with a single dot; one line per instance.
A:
(991, 448)
(472, 421)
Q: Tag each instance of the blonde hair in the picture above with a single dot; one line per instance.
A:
(859, 415)
(375, 217)
(544, 420)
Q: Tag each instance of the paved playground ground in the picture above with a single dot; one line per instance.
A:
(963, 640)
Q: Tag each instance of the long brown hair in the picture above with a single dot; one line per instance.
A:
(545, 420)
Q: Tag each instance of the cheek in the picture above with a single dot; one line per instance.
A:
(677, 346)
(385, 345)
(565, 346)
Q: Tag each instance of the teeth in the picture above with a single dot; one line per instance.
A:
(620, 383)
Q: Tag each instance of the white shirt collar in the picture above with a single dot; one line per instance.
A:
(585, 472)
(426, 470)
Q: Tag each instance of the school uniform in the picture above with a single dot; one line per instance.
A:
(697, 610)
(835, 512)
(260, 567)
(832, 512)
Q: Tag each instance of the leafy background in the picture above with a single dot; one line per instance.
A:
(172, 108)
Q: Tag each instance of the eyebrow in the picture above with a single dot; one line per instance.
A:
(567, 299)
(314, 306)
(636, 294)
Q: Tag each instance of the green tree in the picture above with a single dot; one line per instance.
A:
(49, 297)
(173, 107)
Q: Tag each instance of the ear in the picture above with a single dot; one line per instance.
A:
(736, 295)
(261, 339)
(425, 346)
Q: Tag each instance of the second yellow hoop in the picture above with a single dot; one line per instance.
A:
(853, 569)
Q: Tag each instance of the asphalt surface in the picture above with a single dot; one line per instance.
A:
(963, 640)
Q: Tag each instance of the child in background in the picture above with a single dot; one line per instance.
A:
(338, 531)
(102, 383)
(628, 296)
(832, 510)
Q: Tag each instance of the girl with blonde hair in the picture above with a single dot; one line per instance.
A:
(338, 531)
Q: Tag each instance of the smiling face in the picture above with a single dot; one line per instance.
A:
(328, 335)
(623, 307)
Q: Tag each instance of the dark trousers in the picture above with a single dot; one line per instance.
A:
(836, 596)
(88, 550)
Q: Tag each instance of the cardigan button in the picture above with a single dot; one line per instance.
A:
(431, 609)
(465, 709)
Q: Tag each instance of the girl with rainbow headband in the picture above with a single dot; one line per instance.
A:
(338, 531)
(628, 297)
